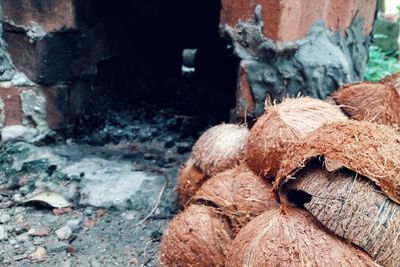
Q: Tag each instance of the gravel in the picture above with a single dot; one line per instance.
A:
(91, 172)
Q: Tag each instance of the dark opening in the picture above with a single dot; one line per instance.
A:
(149, 39)
(298, 197)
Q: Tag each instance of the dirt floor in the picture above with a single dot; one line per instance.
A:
(120, 166)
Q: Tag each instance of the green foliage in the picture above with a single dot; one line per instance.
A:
(380, 64)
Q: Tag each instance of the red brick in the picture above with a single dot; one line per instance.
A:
(56, 106)
(245, 101)
(52, 15)
(53, 59)
(12, 105)
(290, 20)
(64, 102)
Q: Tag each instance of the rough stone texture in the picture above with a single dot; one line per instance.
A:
(2, 116)
(24, 107)
(6, 69)
(50, 15)
(33, 106)
(292, 47)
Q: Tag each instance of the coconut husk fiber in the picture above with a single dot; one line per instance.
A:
(190, 179)
(281, 126)
(369, 149)
(392, 80)
(199, 236)
(374, 102)
(291, 238)
(239, 194)
(352, 207)
(220, 148)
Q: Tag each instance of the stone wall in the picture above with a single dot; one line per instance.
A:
(52, 52)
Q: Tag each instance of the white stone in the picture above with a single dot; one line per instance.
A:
(3, 233)
(64, 233)
(5, 218)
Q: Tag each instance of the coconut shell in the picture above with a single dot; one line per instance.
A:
(199, 236)
(220, 148)
(283, 125)
(291, 238)
(190, 179)
(374, 102)
(369, 149)
(352, 207)
(392, 80)
(239, 194)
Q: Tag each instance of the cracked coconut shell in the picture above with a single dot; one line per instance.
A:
(199, 236)
(291, 238)
(352, 207)
(370, 149)
(374, 102)
(281, 126)
(190, 179)
(355, 189)
(239, 194)
(220, 148)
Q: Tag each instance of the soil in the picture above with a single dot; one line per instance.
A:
(112, 172)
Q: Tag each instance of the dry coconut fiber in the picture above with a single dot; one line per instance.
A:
(220, 148)
(291, 238)
(281, 126)
(348, 176)
(190, 179)
(392, 80)
(374, 102)
(239, 194)
(199, 236)
(352, 207)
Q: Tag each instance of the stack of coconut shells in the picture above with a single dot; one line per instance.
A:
(305, 186)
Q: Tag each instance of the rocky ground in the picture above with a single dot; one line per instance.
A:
(118, 173)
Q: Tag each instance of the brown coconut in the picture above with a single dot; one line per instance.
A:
(374, 102)
(291, 238)
(283, 125)
(347, 175)
(220, 148)
(190, 179)
(199, 236)
(352, 207)
(392, 80)
(239, 194)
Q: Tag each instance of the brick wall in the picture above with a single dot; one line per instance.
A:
(51, 50)
(290, 47)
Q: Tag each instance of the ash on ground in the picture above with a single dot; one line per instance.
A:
(113, 172)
